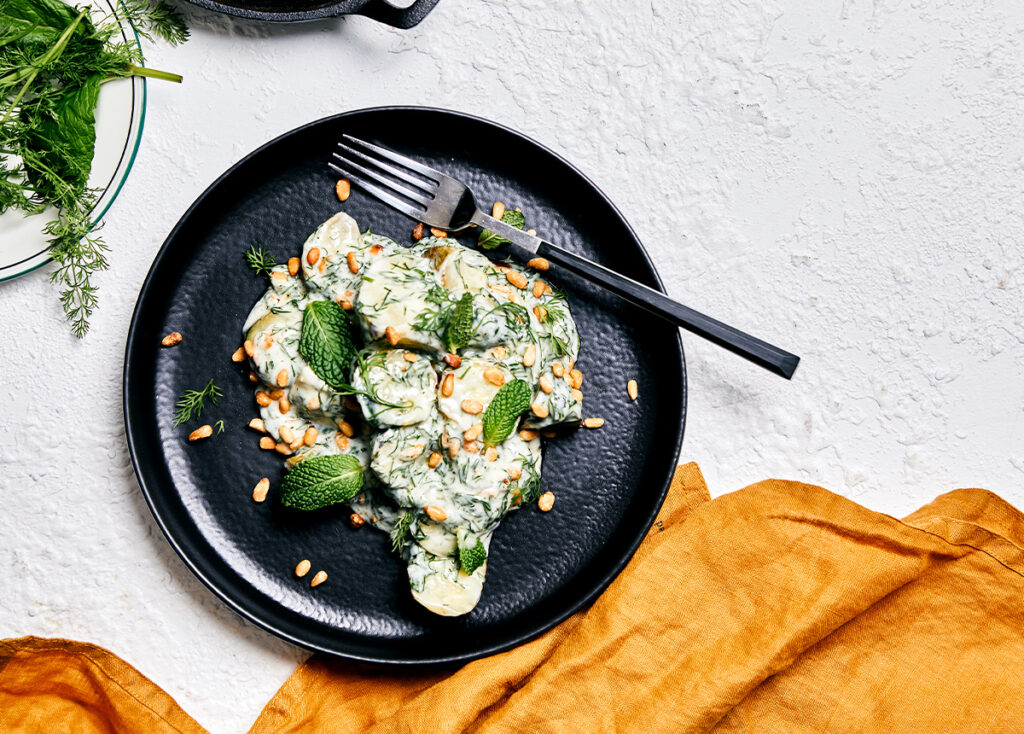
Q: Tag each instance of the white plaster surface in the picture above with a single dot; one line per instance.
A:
(842, 177)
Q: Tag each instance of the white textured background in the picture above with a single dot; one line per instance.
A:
(843, 178)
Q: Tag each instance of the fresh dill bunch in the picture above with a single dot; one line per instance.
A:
(190, 404)
(258, 259)
(155, 19)
(400, 531)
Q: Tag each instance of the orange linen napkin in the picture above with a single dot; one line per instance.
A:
(778, 608)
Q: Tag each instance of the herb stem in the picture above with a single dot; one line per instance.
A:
(154, 73)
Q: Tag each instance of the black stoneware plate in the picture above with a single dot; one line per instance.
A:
(609, 483)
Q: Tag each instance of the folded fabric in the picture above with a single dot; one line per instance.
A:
(779, 608)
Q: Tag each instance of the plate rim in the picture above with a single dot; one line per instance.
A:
(606, 577)
(116, 182)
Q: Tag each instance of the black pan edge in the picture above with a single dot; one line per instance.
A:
(134, 427)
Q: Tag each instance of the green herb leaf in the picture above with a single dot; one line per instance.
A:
(501, 415)
(459, 332)
(326, 342)
(471, 556)
(190, 404)
(400, 531)
(490, 240)
(259, 260)
(322, 481)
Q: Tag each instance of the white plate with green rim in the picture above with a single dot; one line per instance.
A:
(120, 113)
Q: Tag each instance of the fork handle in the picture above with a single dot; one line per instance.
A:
(759, 352)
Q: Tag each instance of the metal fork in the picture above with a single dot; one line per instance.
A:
(440, 201)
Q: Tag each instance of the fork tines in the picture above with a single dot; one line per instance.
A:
(367, 170)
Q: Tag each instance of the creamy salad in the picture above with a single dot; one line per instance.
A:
(413, 408)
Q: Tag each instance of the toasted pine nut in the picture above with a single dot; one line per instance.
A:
(541, 313)
(517, 279)
(491, 454)
(417, 232)
(200, 433)
(499, 352)
(410, 357)
(545, 384)
(471, 447)
(249, 347)
(577, 378)
(439, 233)
(345, 304)
(538, 289)
(284, 405)
(259, 492)
(514, 473)
(434, 460)
(356, 520)
(473, 407)
(346, 428)
(268, 341)
(296, 444)
(632, 390)
(171, 339)
(528, 435)
(293, 265)
(353, 261)
(453, 360)
(238, 356)
(448, 385)
(252, 377)
(262, 399)
(256, 424)
(548, 434)
(435, 513)
(376, 249)
(494, 376)
(302, 568)
(593, 422)
(341, 441)
(538, 263)
(276, 394)
(539, 410)
(313, 403)
(342, 189)
(267, 443)
(453, 449)
(392, 336)
(473, 433)
(286, 434)
(313, 255)
(498, 210)
(413, 452)
(283, 449)
(323, 265)
(546, 502)
(530, 355)
(282, 378)
(576, 395)
(557, 369)
(318, 578)
(309, 437)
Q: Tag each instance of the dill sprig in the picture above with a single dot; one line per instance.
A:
(259, 260)
(190, 404)
(400, 531)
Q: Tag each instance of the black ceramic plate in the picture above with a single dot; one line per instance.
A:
(609, 483)
(291, 11)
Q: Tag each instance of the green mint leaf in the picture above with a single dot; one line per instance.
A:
(490, 240)
(459, 332)
(322, 481)
(326, 342)
(501, 415)
(471, 557)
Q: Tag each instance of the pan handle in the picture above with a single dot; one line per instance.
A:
(384, 12)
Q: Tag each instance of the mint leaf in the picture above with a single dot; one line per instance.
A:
(501, 415)
(326, 342)
(459, 331)
(489, 240)
(471, 557)
(322, 481)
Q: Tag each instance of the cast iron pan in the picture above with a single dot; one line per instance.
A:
(287, 11)
(609, 483)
